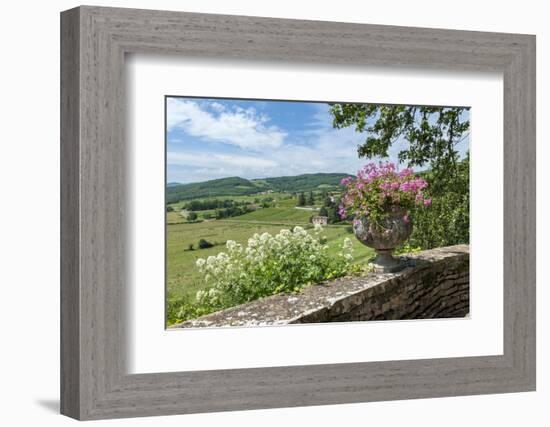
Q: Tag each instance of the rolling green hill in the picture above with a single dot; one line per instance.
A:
(235, 186)
(305, 182)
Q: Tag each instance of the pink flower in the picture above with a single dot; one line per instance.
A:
(405, 172)
(346, 180)
(372, 175)
(342, 212)
(385, 186)
(379, 187)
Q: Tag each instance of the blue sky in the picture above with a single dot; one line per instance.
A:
(217, 138)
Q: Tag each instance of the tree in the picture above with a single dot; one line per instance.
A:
(192, 216)
(323, 211)
(332, 214)
(301, 199)
(432, 133)
(447, 221)
(431, 136)
(311, 199)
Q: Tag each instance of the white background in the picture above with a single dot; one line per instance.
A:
(29, 234)
(152, 349)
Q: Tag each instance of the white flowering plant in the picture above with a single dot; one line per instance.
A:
(267, 265)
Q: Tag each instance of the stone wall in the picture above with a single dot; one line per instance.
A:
(435, 284)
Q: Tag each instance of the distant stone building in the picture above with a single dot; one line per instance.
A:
(321, 220)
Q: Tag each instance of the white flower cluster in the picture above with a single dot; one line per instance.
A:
(347, 249)
(269, 264)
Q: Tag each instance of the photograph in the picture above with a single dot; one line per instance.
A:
(284, 212)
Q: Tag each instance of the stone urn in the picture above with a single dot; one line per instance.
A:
(394, 230)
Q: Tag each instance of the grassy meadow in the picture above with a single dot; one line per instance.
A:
(183, 278)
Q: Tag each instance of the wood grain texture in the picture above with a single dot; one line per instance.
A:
(94, 239)
(70, 292)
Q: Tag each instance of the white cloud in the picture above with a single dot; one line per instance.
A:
(193, 167)
(239, 127)
(216, 160)
(318, 147)
(324, 152)
(245, 161)
(216, 106)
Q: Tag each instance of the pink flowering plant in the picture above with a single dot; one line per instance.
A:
(379, 190)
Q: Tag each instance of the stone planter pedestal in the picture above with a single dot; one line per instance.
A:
(394, 230)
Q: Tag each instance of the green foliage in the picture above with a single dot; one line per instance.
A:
(268, 265)
(301, 200)
(407, 248)
(183, 280)
(169, 209)
(330, 209)
(192, 216)
(305, 182)
(232, 211)
(447, 221)
(213, 188)
(310, 199)
(432, 133)
(181, 309)
(208, 204)
(267, 202)
(332, 214)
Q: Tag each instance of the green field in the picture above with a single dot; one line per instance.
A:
(277, 215)
(182, 275)
(281, 196)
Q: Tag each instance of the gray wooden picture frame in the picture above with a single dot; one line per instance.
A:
(94, 382)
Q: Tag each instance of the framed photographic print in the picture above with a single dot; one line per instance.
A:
(324, 212)
(274, 184)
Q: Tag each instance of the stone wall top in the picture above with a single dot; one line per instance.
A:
(435, 281)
